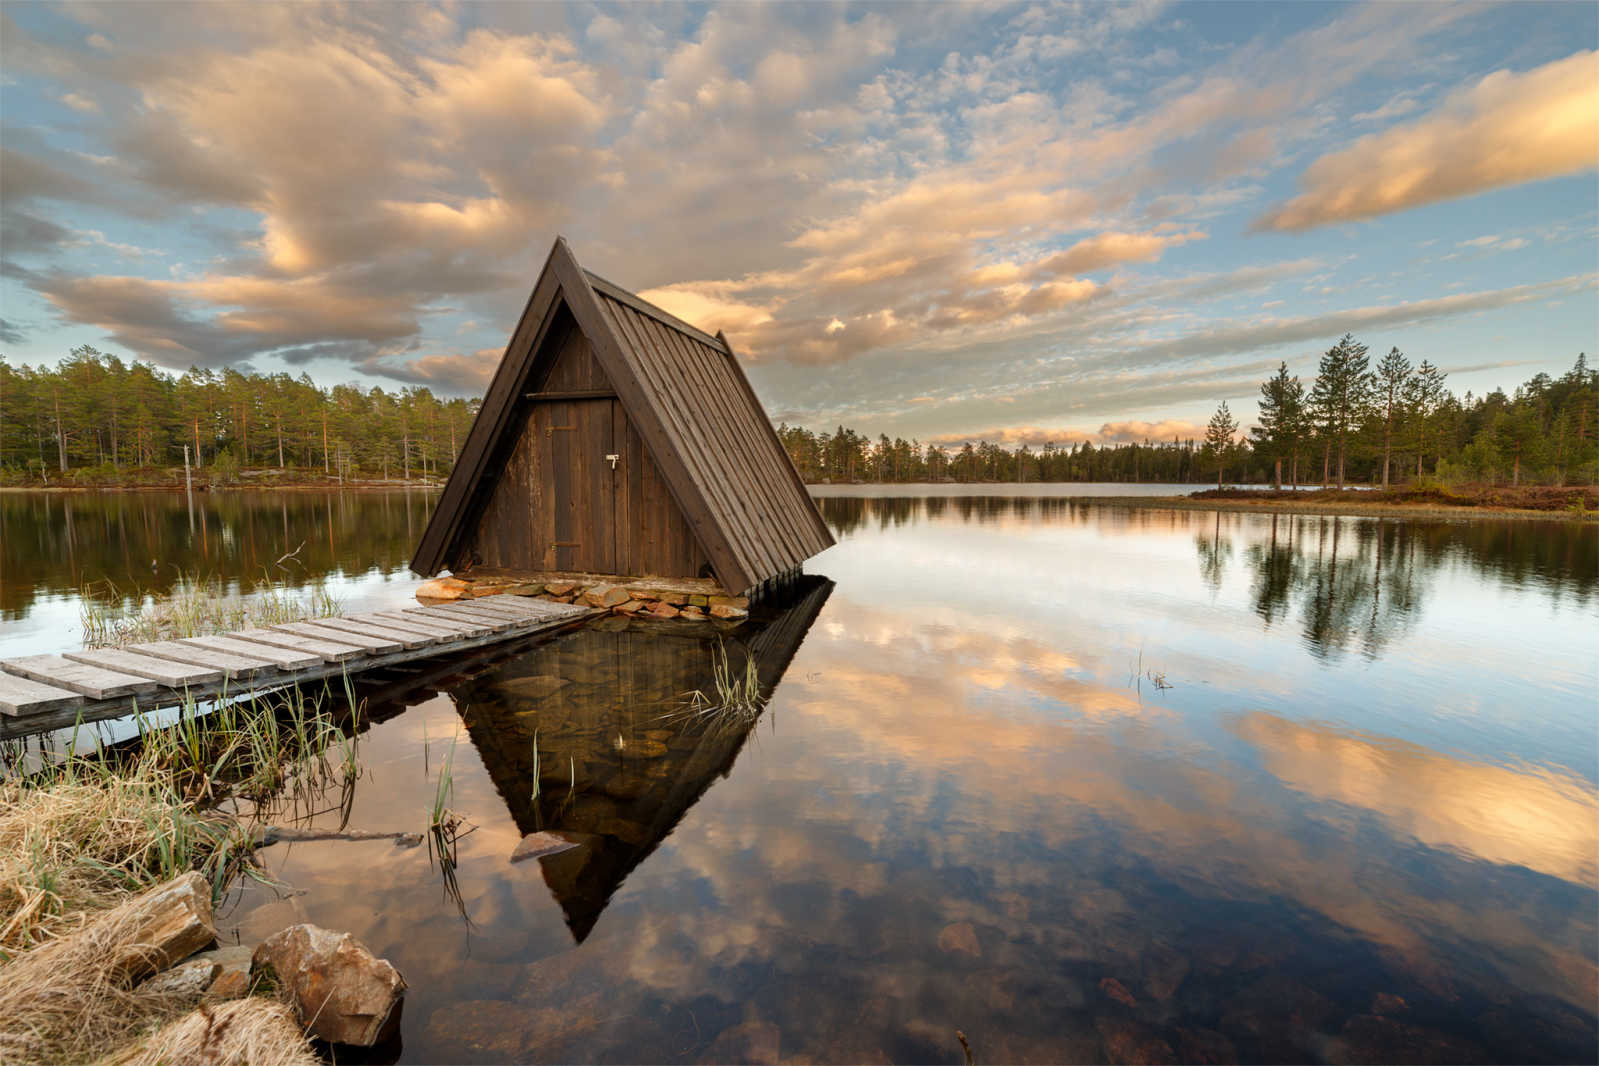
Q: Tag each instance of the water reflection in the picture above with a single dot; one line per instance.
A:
(1361, 825)
(587, 738)
(66, 543)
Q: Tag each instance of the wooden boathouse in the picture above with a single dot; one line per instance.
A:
(618, 440)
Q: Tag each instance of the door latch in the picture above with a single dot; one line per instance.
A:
(612, 459)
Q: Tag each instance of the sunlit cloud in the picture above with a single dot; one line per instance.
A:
(1507, 129)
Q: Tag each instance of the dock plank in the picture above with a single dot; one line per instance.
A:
(331, 651)
(409, 638)
(410, 625)
(444, 627)
(169, 673)
(519, 607)
(282, 658)
(96, 682)
(373, 645)
(239, 666)
(500, 622)
(20, 696)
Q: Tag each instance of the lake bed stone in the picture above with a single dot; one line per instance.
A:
(344, 994)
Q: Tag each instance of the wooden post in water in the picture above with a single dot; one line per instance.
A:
(188, 487)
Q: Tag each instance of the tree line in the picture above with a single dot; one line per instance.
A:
(1353, 423)
(95, 417)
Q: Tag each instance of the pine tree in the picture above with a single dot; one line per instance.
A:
(1393, 376)
(1219, 437)
(1282, 421)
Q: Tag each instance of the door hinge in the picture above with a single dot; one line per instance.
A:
(612, 459)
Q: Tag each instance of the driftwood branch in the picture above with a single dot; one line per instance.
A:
(279, 834)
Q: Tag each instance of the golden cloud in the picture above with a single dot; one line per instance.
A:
(1505, 130)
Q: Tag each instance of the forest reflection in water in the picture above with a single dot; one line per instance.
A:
(1350, 584)
(1359, 824)
(115, 544)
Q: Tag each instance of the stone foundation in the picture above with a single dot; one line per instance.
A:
(644, 598)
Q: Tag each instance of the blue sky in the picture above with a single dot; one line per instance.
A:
(1025, 222)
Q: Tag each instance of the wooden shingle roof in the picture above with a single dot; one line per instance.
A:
(692, 404)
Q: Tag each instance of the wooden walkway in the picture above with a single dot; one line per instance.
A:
(41, 692)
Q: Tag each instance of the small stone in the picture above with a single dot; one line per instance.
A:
(1117, 991)
(532, 588)
(441, 588)
(630, 607)
(344, 994)
(741, 603)
(1164, 970)
(722, 610)
(229, 984)
(233, 960)
(479, 590)
(960, 939)
(481, 1029)
(647, 595)
(559, 588)
(676, 599)
(1205, 1047)
(564, 599)
(754, 1042)
(605, 595)
(1127, 1041)
(186, 980)
(535, 844)
(1388, 1003)
(692, 614)
(662, 610)
(538, 686)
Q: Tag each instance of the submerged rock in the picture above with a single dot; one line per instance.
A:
(1117, 991)
(344, 993)
(535, 844)
(753, 1041)
(1127, 1041)
(960, 939)
(538, 686)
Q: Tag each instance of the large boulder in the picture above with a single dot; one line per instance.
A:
(442, 588)
(344, 994)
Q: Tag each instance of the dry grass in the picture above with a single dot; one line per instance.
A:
(245, 1032)
(76, 848)
(87, 839)
(70, 1000)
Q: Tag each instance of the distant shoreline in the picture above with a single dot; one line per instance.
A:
(1332, 508)
(1259, 500)
(270, 486)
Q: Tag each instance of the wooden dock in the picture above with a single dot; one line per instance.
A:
(42, 692)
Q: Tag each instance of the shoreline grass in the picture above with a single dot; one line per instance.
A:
(195, 607)
(83, 833)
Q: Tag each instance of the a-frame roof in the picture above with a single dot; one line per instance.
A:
(689, 399)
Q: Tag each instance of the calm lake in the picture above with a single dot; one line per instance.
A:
(1087, 782)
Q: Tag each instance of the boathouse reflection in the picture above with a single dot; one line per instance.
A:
(588, 737)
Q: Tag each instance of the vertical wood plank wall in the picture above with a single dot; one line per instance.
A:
(557, 504)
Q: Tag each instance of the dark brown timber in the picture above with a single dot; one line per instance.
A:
(617, 439)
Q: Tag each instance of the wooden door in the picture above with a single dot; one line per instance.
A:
(574, 440)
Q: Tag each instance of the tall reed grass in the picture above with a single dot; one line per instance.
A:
(194, 607)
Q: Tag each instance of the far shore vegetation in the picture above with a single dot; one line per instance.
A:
(96, 421)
